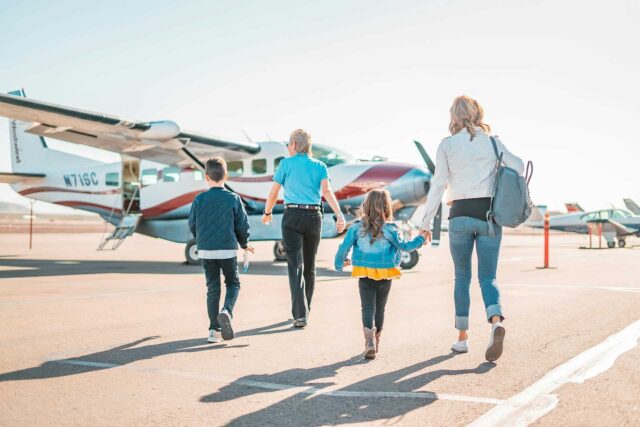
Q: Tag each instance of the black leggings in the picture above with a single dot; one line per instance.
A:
(373, 297)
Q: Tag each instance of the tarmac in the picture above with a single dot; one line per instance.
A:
(118, 338)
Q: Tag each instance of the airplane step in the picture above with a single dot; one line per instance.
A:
(124, 229)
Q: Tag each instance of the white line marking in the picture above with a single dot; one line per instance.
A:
(429, 395)
(536, 400)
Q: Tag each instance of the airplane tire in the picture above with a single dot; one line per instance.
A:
(191, 253)
(611, 245)
(622, 243)
(409, 260)
(278, 251)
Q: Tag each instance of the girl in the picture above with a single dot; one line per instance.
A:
(377, 246)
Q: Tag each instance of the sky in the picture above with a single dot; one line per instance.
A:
(558, 79)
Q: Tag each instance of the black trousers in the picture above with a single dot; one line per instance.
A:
(373, 297)
(212, 269)
(301, 231)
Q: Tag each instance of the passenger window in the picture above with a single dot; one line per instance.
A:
(259, 166)
(276, 163)
(198, 175)
(171, 174)
(112, 179)
(149, 176)
(235, 168)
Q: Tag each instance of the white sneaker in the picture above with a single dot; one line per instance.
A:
(225, 323)
(461, 347)
(214, 336)
(300, 323)
(494, 350)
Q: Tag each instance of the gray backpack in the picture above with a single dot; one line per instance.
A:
(510, 204)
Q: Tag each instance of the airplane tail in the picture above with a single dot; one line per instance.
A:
(30, 153)
(536, 219)
(631, 205)
(573, 207)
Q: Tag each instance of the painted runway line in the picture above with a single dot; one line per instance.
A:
(429, 395)
(536, 401)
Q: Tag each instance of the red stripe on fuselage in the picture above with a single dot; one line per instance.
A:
(377, 176)
(64, 190)
(171, 204)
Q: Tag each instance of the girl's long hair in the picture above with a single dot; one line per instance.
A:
(467, 113)
(374, 212)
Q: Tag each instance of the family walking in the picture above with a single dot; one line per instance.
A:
(466, 164)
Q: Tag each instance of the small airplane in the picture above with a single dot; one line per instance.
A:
(161, 170)
(631, 205)
(617, 224)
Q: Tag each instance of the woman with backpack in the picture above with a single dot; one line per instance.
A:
(466, 164)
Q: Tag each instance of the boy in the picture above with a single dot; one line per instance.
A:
(219, 223)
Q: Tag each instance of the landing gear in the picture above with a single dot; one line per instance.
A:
(611, 244)
(191, 253)
(622, 243)
(278, 251)
(409, 260)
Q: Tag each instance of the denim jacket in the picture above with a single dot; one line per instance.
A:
(384, 252)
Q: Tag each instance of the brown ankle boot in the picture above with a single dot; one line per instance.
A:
(378, 334)
(369, 343)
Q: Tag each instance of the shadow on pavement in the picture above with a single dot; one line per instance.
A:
(114, 357)
(316, 410)
(70, 267)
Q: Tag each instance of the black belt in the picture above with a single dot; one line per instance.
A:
(306, 207)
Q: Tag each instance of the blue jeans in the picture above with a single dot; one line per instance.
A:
(464, 232)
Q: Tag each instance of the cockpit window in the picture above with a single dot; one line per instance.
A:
(619, 214)
(330, 156)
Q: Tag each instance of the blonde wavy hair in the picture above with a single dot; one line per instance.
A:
(302, 138)
(374, 212)
(467, 113)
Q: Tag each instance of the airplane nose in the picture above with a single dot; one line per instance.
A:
(421, 180)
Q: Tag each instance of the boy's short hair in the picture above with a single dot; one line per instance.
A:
(216, 169)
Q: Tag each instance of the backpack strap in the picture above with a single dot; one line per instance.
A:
(495, 150)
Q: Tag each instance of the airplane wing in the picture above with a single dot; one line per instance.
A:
(611, 225)
(160, 141)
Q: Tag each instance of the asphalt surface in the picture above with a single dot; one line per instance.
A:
(118, 338)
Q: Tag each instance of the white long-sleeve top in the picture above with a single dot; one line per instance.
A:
(468, 167)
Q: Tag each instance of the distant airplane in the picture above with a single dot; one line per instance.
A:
(573, 207)
(617, 224)
(151, 189)
(631, 205)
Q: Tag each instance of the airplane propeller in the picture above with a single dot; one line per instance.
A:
(437, 220)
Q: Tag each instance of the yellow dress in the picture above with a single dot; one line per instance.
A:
(375, 273)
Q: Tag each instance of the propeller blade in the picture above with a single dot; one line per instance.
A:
(430, 165)
(437, 227)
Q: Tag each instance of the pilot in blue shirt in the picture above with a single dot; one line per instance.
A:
(300, 176)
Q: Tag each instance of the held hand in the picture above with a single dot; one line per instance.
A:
(340, 224)
(266, 219)
(426, 234)
(250, 248)
(347, 262)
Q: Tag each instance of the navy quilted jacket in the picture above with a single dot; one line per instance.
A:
(218, 220)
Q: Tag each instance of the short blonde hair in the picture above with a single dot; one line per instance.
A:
(302, 138)
(467, 113)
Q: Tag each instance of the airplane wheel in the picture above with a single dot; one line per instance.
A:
(191, 253)
(409, 260)
(611, 245)
(622, 243)
(278, 251)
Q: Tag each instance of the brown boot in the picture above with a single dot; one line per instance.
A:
(369, 344)
(378, 334)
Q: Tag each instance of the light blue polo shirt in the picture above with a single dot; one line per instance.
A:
(300, 176)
